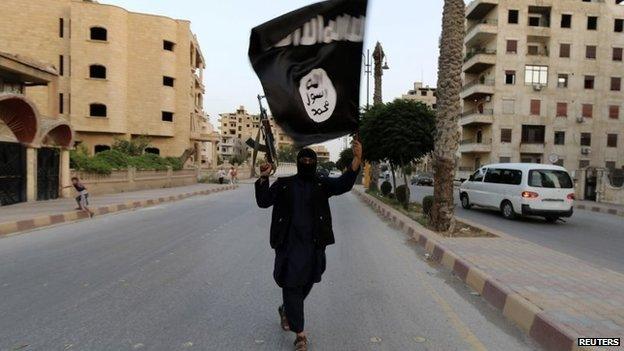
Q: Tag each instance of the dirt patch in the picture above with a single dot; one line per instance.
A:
(415, 212)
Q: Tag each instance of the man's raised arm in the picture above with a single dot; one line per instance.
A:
(344, 183)
(265, 194)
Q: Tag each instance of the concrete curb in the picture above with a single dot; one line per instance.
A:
(528, 316)
(7, 228)
(600, 209)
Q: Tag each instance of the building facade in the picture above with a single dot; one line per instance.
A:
(322, 154)
(120, 74)
(423, 94)
(237, 127)
(543, 83)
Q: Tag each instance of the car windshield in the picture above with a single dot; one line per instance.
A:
(550, 178)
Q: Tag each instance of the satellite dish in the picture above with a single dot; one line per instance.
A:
(553, 158)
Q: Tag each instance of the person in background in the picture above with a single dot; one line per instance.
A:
(83, 196)
(301, 228)
(221, 175)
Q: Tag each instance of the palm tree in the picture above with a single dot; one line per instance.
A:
(448, 111)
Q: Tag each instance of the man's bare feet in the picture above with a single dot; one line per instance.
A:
(301, 343)
(283, 320)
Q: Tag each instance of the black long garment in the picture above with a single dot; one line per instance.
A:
(298, 261)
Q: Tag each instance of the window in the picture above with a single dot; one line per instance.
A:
(566, 21)
(168, 117)
(477, 176)
(61, 65)
(513, 17)
(588, 110)
(536, 75)
(168, 81)
(509, 107)
(562, 80)
(559, 138)
(590, 52)
(512, 46)
(99, 34)
(616, 83)
(97, 110)
(592, 23)
(61, 27)
(101, 148)
(589, 82)
(618, 25)
(610, 165)
(61, 107)
(550, 178)
(503, 176)
(612, 140)
(614, 112)
(152, 150)
(505, 135)
(536, 107)
(534, 21)
(533, 134)
(562, 109)
(583, 164)
(585, 139)
(97, 71)
(510, 77)
(564, 50)
(617, 54)
(168, 45)
(533, 50)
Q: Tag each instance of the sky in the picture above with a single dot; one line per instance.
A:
(408, 30)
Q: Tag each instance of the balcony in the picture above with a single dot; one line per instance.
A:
(479, 60)
(478, 9)
(530, 147)
(474, 146)
(482, 32)
(476, 118)
(478, 89)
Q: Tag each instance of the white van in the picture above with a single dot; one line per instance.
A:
(526, 189)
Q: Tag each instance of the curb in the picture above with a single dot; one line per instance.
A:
(528, 316)
(8, 228)
(600, 209)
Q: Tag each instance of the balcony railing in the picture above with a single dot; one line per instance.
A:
(485, 112)
(476, 141)
(490, 21)
(487, 82)
(479, 51)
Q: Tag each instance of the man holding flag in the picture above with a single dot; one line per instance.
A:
(309, 64)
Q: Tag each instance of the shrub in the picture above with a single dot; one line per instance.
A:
(114, 158)
(175, 163)
(427, 204)
(97, 166)
(403, 194)
(386, 188)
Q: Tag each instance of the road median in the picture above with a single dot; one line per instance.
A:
(37, 221)
(553, 297)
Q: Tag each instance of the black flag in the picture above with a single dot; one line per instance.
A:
(309, 63)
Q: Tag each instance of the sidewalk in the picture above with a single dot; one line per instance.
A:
(599, 207)
(30, 215)
(553, 297)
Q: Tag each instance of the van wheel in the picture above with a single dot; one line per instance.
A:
(507, 210)
(465, 202)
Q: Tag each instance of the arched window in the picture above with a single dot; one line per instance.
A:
(97, 71)
(97, 110)
(152, 150)
(99, 33)
(101, 148)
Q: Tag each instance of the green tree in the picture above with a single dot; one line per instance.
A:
(398, 132)
(287, 153)
(448, 110)
(329, 165)
(133, 147)
(345, 159)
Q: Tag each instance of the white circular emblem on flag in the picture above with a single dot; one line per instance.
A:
(318, 94)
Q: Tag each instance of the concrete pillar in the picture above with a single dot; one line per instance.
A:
(198, 155)
(215, 154)
(31, 174)
(64, 174)
(53, 98)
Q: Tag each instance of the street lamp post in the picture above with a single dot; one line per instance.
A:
(367, 69)
(378, 56)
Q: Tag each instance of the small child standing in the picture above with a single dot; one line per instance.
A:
(83, 196)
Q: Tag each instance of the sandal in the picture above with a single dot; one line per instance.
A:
(283, 319)
(301, 343)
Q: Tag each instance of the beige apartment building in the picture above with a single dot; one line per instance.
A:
(121, 74)
(237, 127)
(322, 154)
(543, 83)
(423, 94)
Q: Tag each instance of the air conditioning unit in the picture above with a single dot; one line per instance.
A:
(580, 119)
(537, 87)
(586, 150)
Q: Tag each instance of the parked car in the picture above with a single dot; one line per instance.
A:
(422, 179)
(335, 174)
(521, 189)
(322, 172)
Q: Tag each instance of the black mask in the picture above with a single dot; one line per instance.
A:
(306, 170)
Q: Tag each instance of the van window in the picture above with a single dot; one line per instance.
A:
(503, 176)
(550, 178)
(478, 175)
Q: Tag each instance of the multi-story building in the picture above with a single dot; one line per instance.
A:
(237, 127)
(322, 154)
(121, 74)
(423, 94)
(543, 83)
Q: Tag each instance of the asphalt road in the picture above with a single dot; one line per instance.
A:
(196, 275)
(594, 237)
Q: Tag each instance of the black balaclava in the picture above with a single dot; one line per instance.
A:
(306, 171)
